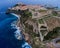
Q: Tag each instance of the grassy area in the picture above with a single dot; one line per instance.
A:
(42, 10)
(27, 13)
(47, 17)
(41, 21)
(53, 34)
(54, 13)
(33, 9)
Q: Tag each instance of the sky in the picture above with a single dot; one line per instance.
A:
(8, 3)
(30, 1)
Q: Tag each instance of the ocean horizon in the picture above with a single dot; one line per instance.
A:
(5, 4)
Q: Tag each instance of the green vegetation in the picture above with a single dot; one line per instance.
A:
(33, 9)
(27, 13)
(54, 13)
(42, 10)
(53, 34)
(41, 21)
(46, 17)
(34, 35)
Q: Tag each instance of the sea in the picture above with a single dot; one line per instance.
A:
(8, 37)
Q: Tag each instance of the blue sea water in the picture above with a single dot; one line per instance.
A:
(9, 32)
(7, 38)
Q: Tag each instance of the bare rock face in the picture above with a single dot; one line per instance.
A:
(26, 36)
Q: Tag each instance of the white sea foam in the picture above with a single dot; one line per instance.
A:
(14, 24)
(26, 45)
(15, 15)
(17, 33)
